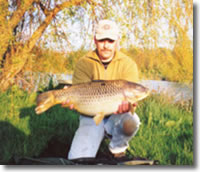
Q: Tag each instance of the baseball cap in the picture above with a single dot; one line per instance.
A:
(107, 29)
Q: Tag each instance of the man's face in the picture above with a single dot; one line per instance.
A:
(106, 48)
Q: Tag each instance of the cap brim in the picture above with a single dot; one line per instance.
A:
(104, 36)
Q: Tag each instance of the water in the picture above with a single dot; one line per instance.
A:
(178, 91)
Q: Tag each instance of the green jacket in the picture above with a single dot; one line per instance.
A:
(90, 68)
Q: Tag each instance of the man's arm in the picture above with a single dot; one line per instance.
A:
(82, 72)
(130, 73)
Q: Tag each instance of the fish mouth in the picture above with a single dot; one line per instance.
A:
(145, 94)
(40, 109)
(142, 97)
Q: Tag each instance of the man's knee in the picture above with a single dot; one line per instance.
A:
(130, 124)
(87, 139)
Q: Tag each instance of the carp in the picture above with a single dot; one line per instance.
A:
(96, 99)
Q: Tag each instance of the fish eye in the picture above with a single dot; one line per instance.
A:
(103, 84)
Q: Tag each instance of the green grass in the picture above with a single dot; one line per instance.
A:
(23, 133)
(166, 132)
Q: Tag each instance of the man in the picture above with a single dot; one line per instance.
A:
(105, 63)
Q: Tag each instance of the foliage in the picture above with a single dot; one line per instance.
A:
(161, 63)
(166, 132)
(48, 61)
(150, 24)
(73, 57)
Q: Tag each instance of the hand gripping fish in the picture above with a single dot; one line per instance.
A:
(96, 99)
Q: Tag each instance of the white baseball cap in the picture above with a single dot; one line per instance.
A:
(107, 29)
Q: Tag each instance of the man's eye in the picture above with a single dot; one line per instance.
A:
(111, 41)
(101, 40)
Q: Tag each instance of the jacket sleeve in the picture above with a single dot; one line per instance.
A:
(82, 72)
(130, 72)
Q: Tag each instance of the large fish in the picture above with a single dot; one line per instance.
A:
(97, 99)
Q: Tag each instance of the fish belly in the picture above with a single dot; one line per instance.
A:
(101, 105)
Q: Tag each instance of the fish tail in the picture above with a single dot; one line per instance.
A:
(45, 101)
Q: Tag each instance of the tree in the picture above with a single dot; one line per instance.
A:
(14, 54)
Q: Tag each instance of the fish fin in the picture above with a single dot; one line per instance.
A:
(66, 83)
(100, 80)
(98, 118)
(132, 109)
(66, 86)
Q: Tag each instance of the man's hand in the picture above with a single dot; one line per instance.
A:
(125, 107)
(67, 103)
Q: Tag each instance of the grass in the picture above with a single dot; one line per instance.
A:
(166, 132)
(23, 133)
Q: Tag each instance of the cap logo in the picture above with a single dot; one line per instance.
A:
(106, 27)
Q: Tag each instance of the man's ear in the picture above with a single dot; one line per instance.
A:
(95, 40)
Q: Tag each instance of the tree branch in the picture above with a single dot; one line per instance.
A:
(50, 15)
(18, 14)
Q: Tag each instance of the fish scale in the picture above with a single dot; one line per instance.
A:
(96, 99)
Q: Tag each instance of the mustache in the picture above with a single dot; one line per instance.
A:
(106, 50)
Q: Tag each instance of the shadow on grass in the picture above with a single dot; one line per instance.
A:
(8, 135)
(52, 131)
(50, 135)
(59, 126)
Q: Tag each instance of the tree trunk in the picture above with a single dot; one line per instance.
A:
(8, 27)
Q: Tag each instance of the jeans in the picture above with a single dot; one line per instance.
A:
(88, 136)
